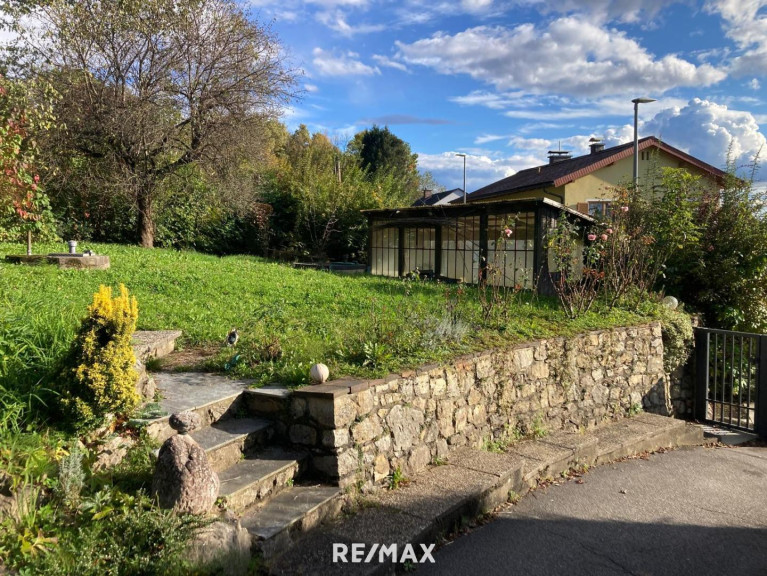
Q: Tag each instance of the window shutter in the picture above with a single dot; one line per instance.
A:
(583, 207)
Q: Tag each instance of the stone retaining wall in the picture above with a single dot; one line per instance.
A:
(361, 431)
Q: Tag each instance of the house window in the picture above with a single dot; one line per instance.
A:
(600, 208)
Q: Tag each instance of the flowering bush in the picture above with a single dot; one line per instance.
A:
(626, 254)
(576, 273)
(634, 244)
(495, 295)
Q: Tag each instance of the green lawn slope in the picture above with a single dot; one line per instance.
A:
(287, 318)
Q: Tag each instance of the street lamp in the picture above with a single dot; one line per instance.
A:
(464, 176)
(637, 102)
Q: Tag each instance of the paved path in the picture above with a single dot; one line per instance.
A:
(698, 512)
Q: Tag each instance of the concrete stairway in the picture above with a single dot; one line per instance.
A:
(263, 482)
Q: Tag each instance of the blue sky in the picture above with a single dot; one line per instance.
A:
(505, 81)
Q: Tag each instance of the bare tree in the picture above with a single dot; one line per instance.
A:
(149, 86)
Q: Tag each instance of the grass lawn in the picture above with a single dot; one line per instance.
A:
(288, 318)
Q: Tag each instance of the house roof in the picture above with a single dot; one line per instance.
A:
(436, 197)
(432, 215)
(565, 171)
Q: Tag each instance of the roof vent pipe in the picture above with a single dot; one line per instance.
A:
(596, 145)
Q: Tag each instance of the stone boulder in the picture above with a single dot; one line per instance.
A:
(111, 452)
(185, 422)
(183, 479)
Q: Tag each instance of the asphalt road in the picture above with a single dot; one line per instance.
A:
(696, 512)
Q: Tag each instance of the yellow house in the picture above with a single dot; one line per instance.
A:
(584, 183)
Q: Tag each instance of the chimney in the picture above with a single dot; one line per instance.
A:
(596, 145)
(559, 156)
(427, 193)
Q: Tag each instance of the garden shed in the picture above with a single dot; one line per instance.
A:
(457, 242)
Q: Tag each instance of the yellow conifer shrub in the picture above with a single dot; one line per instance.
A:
(100, 375)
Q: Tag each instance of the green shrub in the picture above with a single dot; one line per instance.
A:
(724, 274)
(99, 375)
(125, 536)
(678, 338)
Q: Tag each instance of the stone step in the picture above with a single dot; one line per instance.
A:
(227, 440)
(251, 481)
(267, 400)
(148, 344)
(281, 521)
(209, 395)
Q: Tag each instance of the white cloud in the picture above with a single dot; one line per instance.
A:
(485, 138)
(753, 84)
(746, 25)
(706, 130)
(337, 22)
(494, 101)
(389, 63)
(606, 10)
(475, 6)
(480, 169)
(570, 56)
(529, 143)
(344, 65)
(311, 88)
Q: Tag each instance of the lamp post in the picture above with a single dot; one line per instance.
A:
(464, 176)
(637, 102)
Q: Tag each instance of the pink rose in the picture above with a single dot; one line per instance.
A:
(609, 230)
(603, 237)
(508, 232)
(592, 237)
(624, 208)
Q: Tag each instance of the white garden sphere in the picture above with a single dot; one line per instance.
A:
(670, 302)
(319, 373)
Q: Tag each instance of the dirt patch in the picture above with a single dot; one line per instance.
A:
(193, 358)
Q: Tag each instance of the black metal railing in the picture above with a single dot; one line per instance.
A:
(731, 379)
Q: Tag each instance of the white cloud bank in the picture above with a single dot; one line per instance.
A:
(708, 130)
(570, 56)
(703, 128)
(481, 169)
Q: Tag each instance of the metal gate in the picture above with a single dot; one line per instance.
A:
(731, 379)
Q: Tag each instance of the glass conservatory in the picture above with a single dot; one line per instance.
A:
(460, 242)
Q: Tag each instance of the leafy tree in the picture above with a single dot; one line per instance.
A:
(317, 193)
(381, 153)
(24, 207)
(149, 87)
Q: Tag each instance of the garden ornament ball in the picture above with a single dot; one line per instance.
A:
(319, 373)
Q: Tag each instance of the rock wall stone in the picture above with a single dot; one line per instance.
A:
(361, 431)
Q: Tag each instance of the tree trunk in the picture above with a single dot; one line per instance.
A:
(145, 220)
